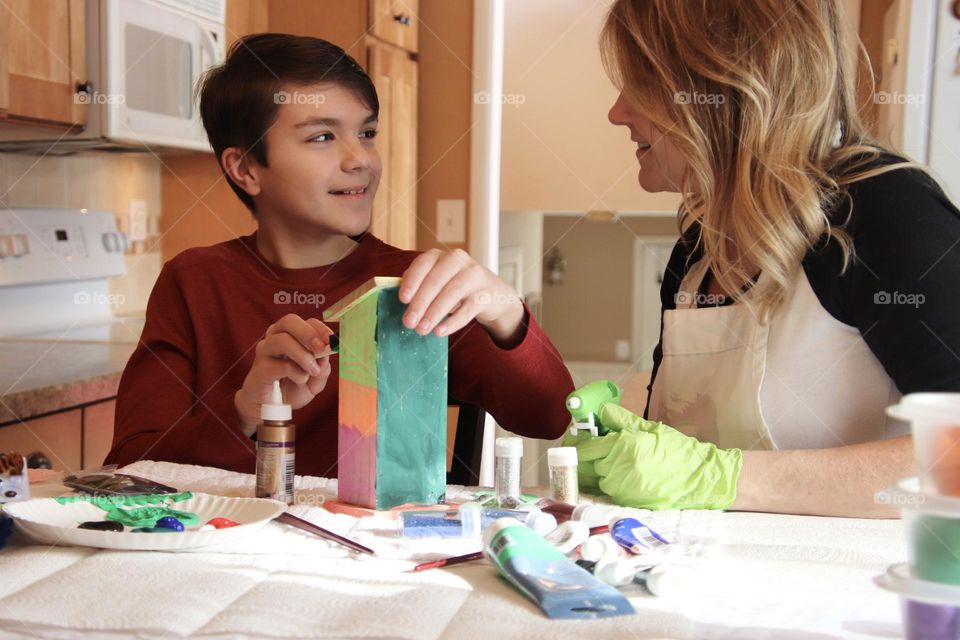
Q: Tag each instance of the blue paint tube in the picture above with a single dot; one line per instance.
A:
(465, 523)
(554, 582)
(636, 537)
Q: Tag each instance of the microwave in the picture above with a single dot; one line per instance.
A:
(144, 59)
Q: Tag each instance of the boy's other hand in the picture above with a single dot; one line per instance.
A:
(439, 283)
(287, 350)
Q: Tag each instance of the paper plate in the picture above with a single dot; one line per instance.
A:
(46, 521)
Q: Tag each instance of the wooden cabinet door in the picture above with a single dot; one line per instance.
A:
(57, 436)
(97, 432)
(394, 211)
(395, 21)
(42, 61)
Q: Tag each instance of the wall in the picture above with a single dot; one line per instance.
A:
(444, 114)
(592, 308)
(559, 151)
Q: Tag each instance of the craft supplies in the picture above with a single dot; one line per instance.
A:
(509, 452)
(466, 522)
(276, 441)
(309, 527)
(562, 469)
(551, 580)
(584, 405)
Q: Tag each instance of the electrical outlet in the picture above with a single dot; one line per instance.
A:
(622, 349)
(452, 221)
(137, 221)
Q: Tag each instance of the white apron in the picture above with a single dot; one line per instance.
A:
(804, 380)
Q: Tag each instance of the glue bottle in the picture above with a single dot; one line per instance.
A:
(276, 440)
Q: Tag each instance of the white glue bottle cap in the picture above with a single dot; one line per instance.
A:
(663, 580)
(601, 548)
(509, 447)
(542, 523)
(276, 410)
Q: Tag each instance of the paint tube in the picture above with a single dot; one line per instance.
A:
(636, 537)
(545, 575)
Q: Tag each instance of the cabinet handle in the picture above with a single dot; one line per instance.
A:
(403, 19)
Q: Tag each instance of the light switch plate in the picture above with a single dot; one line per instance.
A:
(452, 221)
(137, 223)
(622, 349)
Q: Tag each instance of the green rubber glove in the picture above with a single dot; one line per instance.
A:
(653, 466)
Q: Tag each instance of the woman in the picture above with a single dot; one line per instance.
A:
(812, 285)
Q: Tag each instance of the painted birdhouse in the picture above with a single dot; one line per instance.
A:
(393, 402)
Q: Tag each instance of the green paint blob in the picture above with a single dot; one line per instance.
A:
(108, 502)
(148, 516)
(142, 516)
(936, 549)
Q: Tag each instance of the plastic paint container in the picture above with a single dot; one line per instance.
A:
(932, 524)
(935, 422)
(930, 611)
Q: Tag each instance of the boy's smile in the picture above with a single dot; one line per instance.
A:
(323, 168)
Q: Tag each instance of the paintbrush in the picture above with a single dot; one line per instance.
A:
(309, 527)
(332, 348)
(477, 555)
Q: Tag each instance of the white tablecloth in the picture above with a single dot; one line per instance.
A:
(757, 576)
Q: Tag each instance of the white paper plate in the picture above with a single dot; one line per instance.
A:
(47, 521)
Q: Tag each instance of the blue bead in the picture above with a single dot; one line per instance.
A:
(169, 522)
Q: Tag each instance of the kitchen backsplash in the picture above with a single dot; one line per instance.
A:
(98, 181)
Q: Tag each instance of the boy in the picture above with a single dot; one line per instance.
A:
(292, 122)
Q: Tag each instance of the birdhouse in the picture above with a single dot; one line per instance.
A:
(393, 402)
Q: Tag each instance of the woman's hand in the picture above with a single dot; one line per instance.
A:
(287, 350)
(650, 465)
(438, 284)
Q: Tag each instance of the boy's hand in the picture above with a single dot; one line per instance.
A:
(440, 283)
(287, 350)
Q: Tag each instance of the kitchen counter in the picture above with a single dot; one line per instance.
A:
(48, 372)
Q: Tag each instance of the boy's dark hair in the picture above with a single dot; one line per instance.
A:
(239, 99)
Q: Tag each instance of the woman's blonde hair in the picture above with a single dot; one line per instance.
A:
(757, 97)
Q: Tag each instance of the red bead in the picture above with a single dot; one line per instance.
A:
(222, 523)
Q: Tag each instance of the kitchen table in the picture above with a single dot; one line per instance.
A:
(756, 576)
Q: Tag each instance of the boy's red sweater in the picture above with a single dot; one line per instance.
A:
(210, 307)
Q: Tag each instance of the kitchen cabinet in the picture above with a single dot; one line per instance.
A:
(395, 21)
(74, 439)
(42, 62)
(394, 211)
(98, 422)
(58, 436)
